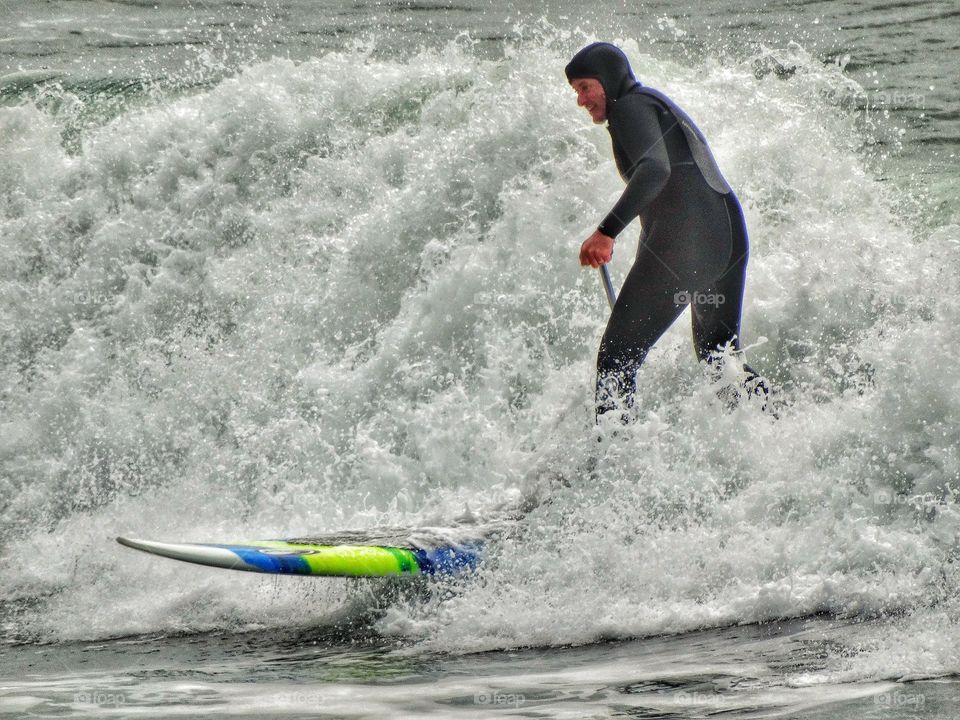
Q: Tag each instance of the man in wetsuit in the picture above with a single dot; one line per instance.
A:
(693, 246)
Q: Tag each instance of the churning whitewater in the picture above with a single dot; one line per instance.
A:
(344, 292)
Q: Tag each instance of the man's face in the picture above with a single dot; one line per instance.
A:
(590, 95)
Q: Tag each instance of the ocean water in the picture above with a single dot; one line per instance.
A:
(283, 268)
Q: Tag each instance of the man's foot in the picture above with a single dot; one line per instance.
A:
(758, 389)
(754, 389)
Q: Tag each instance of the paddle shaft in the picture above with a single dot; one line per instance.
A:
(608, 285)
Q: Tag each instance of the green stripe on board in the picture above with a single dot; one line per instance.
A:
(406, 559)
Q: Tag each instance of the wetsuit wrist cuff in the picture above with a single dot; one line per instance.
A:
(610, 227)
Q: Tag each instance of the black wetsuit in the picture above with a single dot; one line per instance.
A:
(693, 247)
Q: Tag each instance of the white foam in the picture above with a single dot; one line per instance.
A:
(345, 293)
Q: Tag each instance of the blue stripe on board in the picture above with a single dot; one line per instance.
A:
(280, 564)
(449, 560)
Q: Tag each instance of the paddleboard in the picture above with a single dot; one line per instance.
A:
(344, 555)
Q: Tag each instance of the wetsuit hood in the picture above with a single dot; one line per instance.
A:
(606, 63)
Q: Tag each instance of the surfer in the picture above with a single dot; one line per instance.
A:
(693, 245)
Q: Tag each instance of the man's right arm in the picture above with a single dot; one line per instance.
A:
(635, 126)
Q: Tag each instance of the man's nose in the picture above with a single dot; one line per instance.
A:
(581, 99)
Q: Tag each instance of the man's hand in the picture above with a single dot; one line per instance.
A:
(596, 250)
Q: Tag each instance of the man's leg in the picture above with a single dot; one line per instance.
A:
(715, 313)
(646, 307)
(716, 310)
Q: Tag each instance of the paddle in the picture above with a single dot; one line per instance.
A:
(608, 285)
